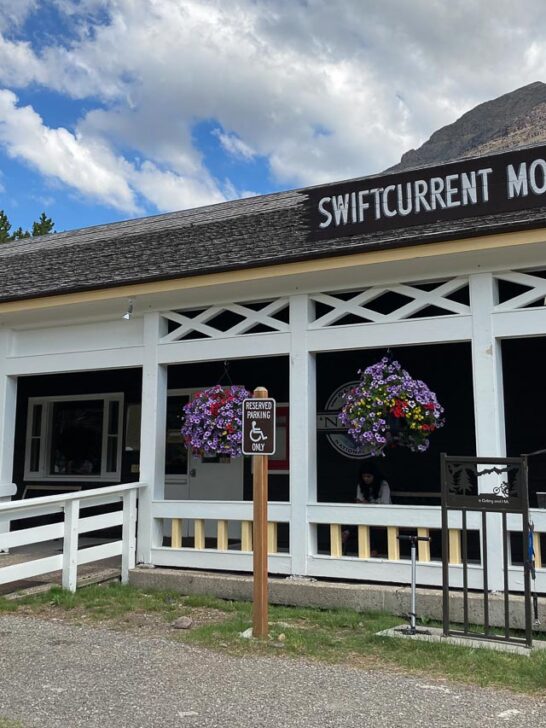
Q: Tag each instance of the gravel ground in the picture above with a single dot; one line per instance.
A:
(56, 675)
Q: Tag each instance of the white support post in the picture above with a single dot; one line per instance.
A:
(152, 437)
(8, 404)
(70, 545)
(128, 552)
(488, 404)
(303, 441)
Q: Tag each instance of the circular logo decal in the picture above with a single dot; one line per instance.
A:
(336, 433)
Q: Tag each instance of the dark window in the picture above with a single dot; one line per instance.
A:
(76, 438)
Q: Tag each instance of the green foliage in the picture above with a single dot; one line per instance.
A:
(42, 226)
(19, 234)
(7, 605)
(5, 227)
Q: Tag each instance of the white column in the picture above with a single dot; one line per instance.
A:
(303, 440)
(152, 436)
(8, 404)
(488, 403)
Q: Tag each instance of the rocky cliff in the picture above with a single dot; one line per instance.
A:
(513, 120)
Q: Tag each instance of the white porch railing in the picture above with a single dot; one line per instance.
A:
(225, 555)
(199, 534)
(69, 529)
(329, 561)
(421, 519)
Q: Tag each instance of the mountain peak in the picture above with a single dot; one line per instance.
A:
(513, 120)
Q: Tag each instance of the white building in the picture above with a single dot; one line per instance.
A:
(294, 291)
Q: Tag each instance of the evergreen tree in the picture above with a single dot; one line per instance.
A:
(42, 226)
(5, 227)
(19, 234)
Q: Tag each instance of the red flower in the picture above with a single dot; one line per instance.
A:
(400, 406)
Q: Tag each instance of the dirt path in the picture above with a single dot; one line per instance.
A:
(54, 674)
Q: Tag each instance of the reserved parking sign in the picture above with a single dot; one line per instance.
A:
(259, 426)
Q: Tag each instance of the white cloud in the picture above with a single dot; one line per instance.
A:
(83, 164)
(19, 65)
(323, 89)
(88, 165)
(169, 191)
(14, 12)
(234, 145)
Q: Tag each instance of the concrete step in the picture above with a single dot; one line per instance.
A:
(309, 592)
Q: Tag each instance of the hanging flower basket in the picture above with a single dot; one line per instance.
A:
(388, 408)
(213, 421)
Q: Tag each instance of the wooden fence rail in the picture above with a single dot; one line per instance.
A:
(73, 524)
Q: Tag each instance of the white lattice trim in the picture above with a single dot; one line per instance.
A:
(202, 321)
(536, 293)
(420, 300)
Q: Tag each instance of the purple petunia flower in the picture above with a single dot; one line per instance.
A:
(213, 421)
(389, 407)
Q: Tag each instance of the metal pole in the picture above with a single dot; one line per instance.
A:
(445, 547)
(412, 629)
(413, 624)
(485, 568)
(527, 563)
(505, 562)
(465, 569)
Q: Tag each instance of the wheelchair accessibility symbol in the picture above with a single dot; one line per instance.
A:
(259, 426)
(256, 433)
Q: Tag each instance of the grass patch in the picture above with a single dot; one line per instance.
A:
(7, 606)
(100, 602)
(336, 636)
(7, 723)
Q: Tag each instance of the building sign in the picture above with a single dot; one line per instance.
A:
(497, 484)
(336, 433)
(259, 426)
(468, 188)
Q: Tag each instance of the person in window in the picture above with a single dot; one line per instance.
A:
(371, 487)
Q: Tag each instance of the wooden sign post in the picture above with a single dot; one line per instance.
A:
(259, 441)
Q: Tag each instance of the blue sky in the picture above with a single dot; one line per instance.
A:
(112, 109)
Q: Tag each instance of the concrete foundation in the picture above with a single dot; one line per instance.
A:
(435, 635)
(304, 592)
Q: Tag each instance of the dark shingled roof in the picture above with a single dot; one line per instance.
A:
(245, 233)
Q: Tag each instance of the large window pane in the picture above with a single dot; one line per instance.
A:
(37, 420)
(113, 417)
(35, 438)
(34, 455)
(76, 437)
(112, 439)
(111, 454)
